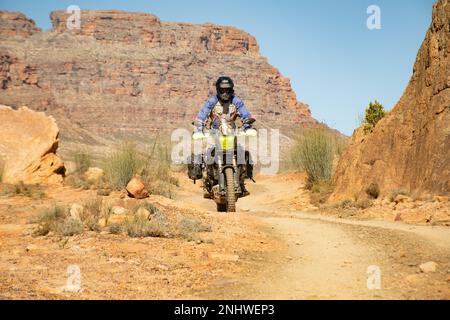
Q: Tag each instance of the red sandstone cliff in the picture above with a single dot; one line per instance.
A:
(410, 148)
(130, 73)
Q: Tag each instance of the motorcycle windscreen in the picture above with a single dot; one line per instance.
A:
(227, 143)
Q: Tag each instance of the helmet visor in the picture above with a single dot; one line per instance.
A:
(225, 90)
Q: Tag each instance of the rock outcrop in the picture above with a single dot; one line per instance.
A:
(28, 144)
(131, 74)
(409, 148)
(16, 24)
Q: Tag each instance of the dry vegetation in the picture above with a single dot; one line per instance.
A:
(151, 162)
(33, 191)
(314, 152)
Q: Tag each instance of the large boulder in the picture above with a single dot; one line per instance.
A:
(136, 188)
(409, 148)
(28, 144)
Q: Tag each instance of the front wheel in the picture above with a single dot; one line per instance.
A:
(231, 196)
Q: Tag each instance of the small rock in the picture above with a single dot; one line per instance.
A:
(116, 260)
(162, 267)
(123, 194)
(30, 247)
(118, 210)
(114, 219)
(93, 174)
(76, 211)
(428, 267)
(136, 188)
(441, 199)
(412, 278)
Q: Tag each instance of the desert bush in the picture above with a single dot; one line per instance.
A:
(373, 190)
(34, 192)
(139, 227)
(92, 212)
(115, 228)
(344, 204)
(82, 161)
(122, 165)
(77, 181)
(69, 227)
(156, 171)
(187, 226)
(374, 113)
(50, 219)
(313, 152)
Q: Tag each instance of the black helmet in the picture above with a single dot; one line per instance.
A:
(225, 88)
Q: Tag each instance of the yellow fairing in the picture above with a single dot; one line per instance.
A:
(227, 142)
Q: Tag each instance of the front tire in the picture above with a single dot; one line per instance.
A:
(231, 196)
(221, 207)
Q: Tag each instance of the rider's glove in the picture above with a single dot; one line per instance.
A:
(198, 135)
(251, 132)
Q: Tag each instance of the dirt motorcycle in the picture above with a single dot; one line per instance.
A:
(222, 174)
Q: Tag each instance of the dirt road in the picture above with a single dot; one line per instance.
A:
(329, 258)
(270, 249)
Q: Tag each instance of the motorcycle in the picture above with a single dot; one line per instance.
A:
(223, 176)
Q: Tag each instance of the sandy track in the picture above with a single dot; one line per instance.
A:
(329, 258)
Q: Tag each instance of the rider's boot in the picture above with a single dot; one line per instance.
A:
(245, 192)
(206, 194)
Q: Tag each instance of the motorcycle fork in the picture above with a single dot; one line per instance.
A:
(222, 166)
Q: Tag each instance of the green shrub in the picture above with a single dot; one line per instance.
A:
(115, 228)
(33, 191)
(77, 180)
(344, 204)
(156, 172)
(69, 227)
(187, 226)
(82, 161)
(373, 190)
(92, 212)
(50, 219)
(374, 113)
(122, 165)
(313, 152)
(138, 227)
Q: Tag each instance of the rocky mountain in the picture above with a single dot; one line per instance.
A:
(409, 148)
(127, 73)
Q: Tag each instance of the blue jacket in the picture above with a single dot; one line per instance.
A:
(205, 111)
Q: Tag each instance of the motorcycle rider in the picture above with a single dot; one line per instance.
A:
(224, 105)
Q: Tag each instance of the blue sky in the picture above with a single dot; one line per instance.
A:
(335, 63)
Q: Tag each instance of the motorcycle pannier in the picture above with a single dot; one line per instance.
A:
(195, 167)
